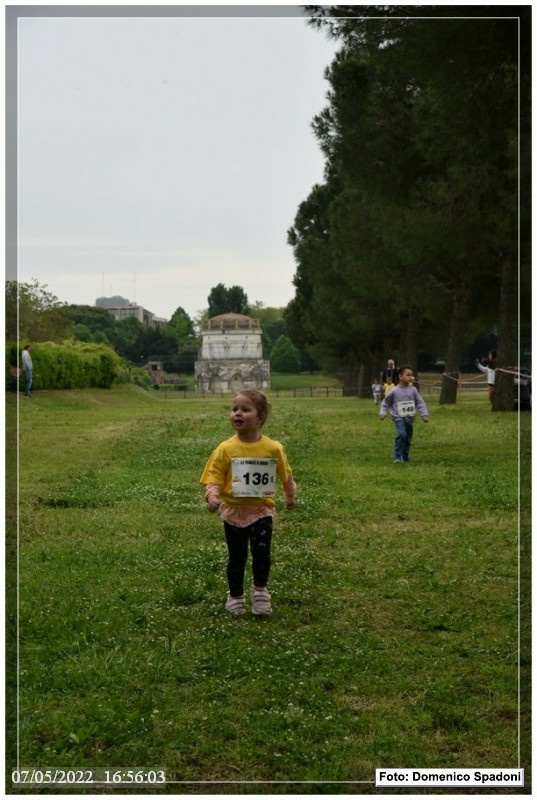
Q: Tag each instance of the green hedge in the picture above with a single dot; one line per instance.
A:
(71, 365)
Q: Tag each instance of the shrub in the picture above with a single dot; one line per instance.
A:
(284, 356)
(71, 365)
(142, 380)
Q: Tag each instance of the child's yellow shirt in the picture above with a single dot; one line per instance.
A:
(217, 477)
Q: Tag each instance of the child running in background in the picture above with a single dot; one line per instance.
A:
(403, 401)
(240, 481)
(376, 390)
(388, 386)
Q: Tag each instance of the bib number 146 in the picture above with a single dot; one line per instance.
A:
(253, 477)
(406, 408)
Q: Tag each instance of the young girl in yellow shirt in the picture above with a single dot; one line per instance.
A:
(240, 482)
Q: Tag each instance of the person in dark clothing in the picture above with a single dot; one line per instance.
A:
(391, 371)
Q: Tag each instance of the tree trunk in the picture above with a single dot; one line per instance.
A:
(507, 355)
(350, 377)
(360, 381)
(375, 360)
(365, 376)
(403, 343)
(408, 342)
(459, 321)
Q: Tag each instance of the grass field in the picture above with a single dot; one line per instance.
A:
(395, 634)
(278, 380)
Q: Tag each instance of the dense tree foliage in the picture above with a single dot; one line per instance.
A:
(413, 234)
(34, 314)
(89, 323)
(224, 300)
(272, 324)
(130, 338)
(284, 356)
(181, 326)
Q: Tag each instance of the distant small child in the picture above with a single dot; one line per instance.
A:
(403, 401)
(376, 390)
(240, 481)
(388, 386)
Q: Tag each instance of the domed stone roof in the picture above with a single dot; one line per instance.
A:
(231, 321)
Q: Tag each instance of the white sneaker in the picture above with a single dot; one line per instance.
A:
(236, 605)
(260, 602)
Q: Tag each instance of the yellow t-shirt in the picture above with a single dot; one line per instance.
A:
(218, 469)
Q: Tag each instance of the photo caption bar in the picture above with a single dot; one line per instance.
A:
(444, 778)
(89, 776)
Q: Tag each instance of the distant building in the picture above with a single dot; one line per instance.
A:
(121, 308)
(231, 355)
(155, 370)
(112, 302)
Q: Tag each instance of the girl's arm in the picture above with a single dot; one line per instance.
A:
(214, 477)
(212, 497)
(289, 488)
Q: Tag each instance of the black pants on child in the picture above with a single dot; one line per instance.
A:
(259, 534)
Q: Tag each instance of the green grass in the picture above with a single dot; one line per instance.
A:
(394, 637)
(280, 381)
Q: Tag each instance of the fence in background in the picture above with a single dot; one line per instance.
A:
(427, 388)
(478, 385)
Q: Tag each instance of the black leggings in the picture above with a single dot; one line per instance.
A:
(260, 535)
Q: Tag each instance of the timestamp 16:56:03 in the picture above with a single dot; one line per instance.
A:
(88, 776)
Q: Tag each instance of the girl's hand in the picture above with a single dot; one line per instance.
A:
(213, 505)
(290, 502)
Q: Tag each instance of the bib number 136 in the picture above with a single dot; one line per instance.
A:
(253, 477)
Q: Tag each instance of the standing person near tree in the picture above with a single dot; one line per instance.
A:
(403, 402)
(27, 369)
(489, 369)
(240, 481)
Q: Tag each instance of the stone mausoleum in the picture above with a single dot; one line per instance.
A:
(231, 355)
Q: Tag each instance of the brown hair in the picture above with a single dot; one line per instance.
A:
(259, 400)
(402, 369)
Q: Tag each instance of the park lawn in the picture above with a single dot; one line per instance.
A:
(395, 634)
(281, 381)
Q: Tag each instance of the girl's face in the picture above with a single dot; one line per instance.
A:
(245, 418)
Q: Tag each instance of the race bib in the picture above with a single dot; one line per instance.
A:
(406, 408)
(253, 477)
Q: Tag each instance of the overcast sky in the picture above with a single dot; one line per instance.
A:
(159, 157)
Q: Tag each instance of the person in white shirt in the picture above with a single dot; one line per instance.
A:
(490, 371)
(376, 390)
(27, 370)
